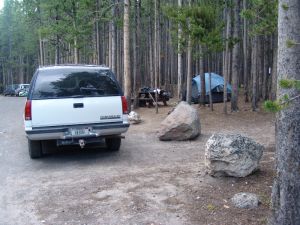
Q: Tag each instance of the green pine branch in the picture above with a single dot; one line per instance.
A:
(284, 101)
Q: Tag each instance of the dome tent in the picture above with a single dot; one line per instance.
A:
(217, 88)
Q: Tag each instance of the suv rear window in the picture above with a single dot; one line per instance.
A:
(72, 83)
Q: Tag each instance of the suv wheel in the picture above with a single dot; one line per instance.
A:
(35, 149)
(113, 144)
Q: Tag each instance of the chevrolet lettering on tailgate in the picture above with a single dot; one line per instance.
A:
(110, 117)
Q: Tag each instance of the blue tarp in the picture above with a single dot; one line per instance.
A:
(217, 83)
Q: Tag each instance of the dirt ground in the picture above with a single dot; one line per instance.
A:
(148, 182)
(206, 200)
(176, 190)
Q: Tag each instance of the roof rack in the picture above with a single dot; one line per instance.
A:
(88, 65)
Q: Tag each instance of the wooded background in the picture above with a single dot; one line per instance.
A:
(170, 41)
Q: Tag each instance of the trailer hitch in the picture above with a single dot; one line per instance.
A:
(81, 143)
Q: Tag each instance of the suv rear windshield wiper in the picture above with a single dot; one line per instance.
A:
(75, 96)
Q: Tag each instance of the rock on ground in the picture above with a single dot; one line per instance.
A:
(182, 124)
(232, 155)
(245, 200)
(134, 117)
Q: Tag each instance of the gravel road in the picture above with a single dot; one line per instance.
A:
(138, 185)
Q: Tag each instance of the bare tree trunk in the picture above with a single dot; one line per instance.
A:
(57, 51)
(21, 69)
(159, 45)
(136, 55)
(41, 50)
(274, 68)
(286, 194)
(75, 51)
(202, 77)
(260, 50)
(57, 44)
(74, 12)
(210, 93)
(138, 49)
(156, 51)
(98, 54)
(110, 44)
(179, 57)
(265, 69)
(245, 58)
(151, 69)
(127, 76)
(235, 58)
(227, 64)
(189, 69)
(114, 40)
(254, 73)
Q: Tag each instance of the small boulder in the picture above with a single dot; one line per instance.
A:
(232, 155)
(134, 117)
(245, 200)
(181, 124)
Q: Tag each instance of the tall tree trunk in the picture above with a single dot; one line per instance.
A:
(235, 58)
(21, 69)
(134, 57)
(159, 40)
(254, 72)
(136, 51)
(98, 52)
(127, 76)
(41, 47)
(189, 69)
(245, 57)
(57, 44)
(114, 40)
(227, 60)
(179, 57)
(110, 25)
(76, 55)
(210, 92)
(74, 12)
(57, 51)
(274, 67)
(150, 43)
(202, 77)
(265, 68)
(41, 52)
(286, 194)
(260, 51)
(156, 50)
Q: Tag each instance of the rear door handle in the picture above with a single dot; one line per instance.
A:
(78, 105)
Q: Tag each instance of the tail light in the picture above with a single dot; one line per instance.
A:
(28, 110)
(124, 105)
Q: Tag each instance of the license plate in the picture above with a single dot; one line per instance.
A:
(80, 132)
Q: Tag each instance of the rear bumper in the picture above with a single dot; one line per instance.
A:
(63, 132)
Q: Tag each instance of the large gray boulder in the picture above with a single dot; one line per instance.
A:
(245, 200)
(182, 124)
(232, 155)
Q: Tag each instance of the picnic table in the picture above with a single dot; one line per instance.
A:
(146, 96)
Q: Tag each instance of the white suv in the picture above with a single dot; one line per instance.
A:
(74, 105)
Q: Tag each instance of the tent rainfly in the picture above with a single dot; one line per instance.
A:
(217, 88)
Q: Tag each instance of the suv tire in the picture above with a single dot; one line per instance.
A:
(113, 144)
(35, 149)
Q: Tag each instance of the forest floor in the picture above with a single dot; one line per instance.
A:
(148, 182)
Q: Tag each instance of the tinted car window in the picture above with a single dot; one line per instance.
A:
(68, 83)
